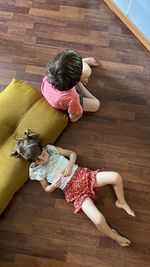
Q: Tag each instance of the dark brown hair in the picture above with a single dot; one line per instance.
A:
(65, 70)
(29, 147)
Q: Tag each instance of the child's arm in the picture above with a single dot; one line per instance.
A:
(51, 187)
(74, 117)
(46, 186)
(72, 156)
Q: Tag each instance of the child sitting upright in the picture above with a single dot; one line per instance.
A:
(64, 85)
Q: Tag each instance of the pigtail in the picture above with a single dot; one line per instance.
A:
(14, 154)
(29, 134)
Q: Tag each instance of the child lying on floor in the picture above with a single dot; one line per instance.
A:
(50, 166)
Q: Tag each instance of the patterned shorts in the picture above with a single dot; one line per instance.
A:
(81, 186)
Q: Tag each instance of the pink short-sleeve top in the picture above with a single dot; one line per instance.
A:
(65, 100)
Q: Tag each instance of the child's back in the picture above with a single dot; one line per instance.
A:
(62, 88)
(65, 100)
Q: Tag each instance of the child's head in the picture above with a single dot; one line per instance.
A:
(29, 147)
(65, 70)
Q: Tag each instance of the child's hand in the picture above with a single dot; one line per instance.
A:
(58, 181)
(67, 171)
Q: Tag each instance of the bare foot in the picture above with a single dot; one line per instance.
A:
(125, 207)
(91, 61)
(122, 241)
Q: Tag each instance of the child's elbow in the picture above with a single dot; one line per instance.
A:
(74, 118)
(46, 190)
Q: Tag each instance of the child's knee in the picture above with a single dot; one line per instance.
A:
(118, 178)
(97, 104)
(99, 220)
(86, 72)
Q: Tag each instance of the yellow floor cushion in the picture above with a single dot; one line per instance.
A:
(21, 107)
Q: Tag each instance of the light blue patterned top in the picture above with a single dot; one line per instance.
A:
(50, 171)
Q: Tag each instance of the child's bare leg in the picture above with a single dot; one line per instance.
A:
(86, 73)
(99, 220)
(86, 70)
(90, 102)
(113, 178)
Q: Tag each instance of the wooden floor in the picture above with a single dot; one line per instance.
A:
(39, 229)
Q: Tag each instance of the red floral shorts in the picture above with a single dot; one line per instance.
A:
(81, 186)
